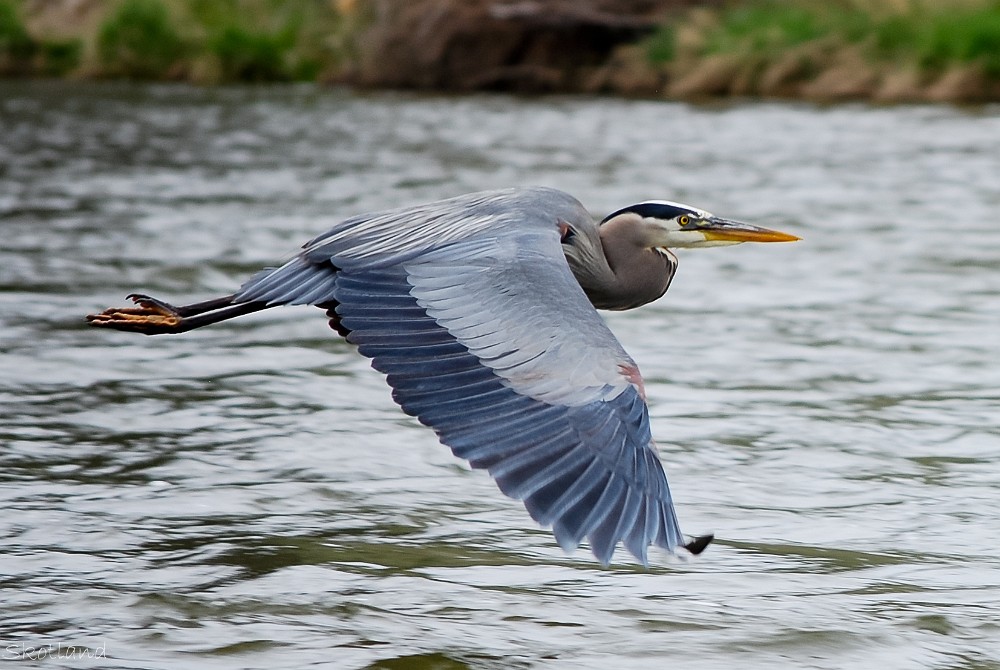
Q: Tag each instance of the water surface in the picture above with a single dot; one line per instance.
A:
(248, 496)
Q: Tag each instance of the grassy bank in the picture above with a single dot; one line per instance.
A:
(880, 49)
(889, 50)
(197, 40)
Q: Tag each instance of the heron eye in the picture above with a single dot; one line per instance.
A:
(684, 220)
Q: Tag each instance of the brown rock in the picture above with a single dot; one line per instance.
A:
(532, 45)
(747, 79)
(900, 86)
(850, 78)
(63, 18)
(783, 77)
(712, 76)
(628, 72)
(959, 84)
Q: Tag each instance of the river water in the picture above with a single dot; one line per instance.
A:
(248, 496)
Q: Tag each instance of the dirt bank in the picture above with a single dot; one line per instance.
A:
(890, 51)
(530, 46)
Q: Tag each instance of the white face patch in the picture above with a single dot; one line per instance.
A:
(677, 238)
(662, 224)
(671, 234)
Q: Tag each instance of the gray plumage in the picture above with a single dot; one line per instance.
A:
(616, 264)
(480, 311)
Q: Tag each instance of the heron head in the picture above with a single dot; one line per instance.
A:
(673, 225)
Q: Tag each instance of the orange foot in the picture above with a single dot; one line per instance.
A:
(151, 317)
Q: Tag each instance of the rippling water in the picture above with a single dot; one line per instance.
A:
(247, 496)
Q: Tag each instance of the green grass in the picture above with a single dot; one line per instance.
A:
(251, 56)
(764, 26)
(269, 40)
(139, 40)
(59, 57)
(961, 37)
(234, 40)
(21, 54)
(661, 47)
(931, 34)
(16, 47)
(935, 38)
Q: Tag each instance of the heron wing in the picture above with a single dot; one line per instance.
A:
(490, 341)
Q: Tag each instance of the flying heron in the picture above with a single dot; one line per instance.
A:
(480, 310)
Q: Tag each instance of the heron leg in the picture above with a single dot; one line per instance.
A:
(155, 317)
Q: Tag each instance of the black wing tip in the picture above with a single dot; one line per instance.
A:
(698, 544)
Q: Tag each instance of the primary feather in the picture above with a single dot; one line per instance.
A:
(470, 309)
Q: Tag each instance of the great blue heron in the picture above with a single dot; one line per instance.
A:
(480, 311)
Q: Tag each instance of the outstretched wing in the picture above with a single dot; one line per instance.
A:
(486, 337)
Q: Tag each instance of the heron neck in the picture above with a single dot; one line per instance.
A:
(639, 273)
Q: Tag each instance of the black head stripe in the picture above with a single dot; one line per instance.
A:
(653, 210)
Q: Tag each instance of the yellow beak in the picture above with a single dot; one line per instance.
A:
(724, 230)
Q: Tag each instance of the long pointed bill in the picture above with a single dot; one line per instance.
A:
(724, 230)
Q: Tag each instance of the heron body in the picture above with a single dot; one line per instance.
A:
(480, 311)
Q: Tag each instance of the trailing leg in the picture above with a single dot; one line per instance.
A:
(155, 317)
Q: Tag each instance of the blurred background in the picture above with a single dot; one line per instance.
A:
(248, 496)
(883, 50)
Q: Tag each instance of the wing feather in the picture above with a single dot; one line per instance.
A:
(486, 337)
